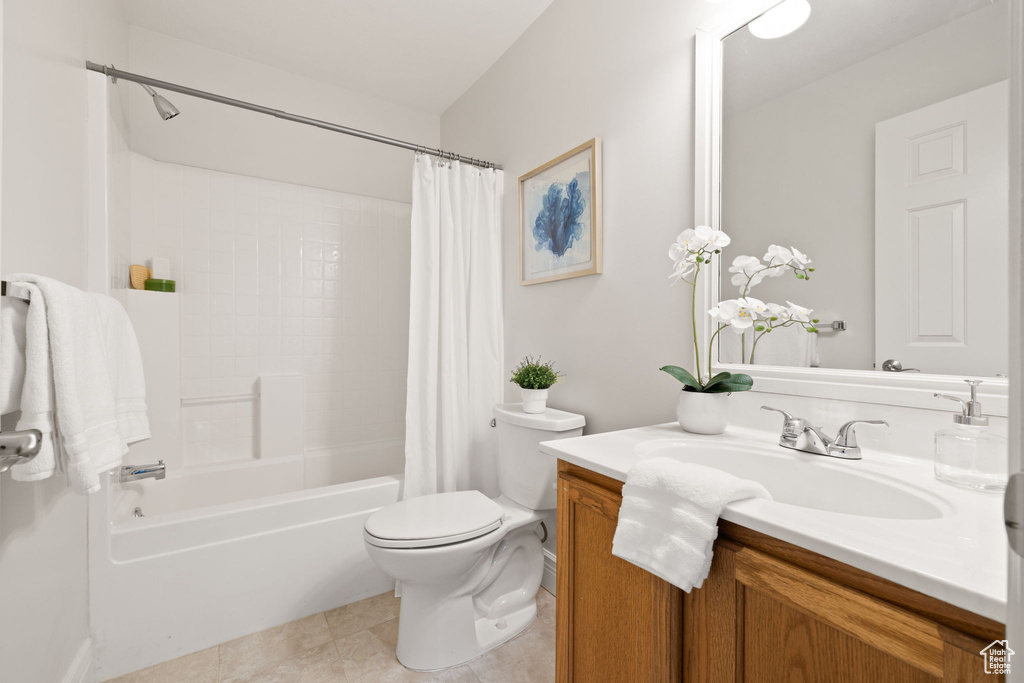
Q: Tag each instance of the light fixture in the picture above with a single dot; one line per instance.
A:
(781, 20)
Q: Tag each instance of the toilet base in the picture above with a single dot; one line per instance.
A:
(461, 600)
(490, 634)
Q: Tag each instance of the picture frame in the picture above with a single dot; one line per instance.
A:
(560, 217)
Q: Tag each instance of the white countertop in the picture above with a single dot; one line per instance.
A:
(959, 558)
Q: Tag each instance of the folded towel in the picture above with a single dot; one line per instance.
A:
(668, 520)
(92, 353)
(37, 400)
(12, 353)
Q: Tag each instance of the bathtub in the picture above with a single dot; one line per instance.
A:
(189, 575)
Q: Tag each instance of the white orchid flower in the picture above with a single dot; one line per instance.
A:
(678, 248)
(746, 268)
(725, 312)
(739, 314)
(800, 259)
(777, 256)
(684, 269)
(689, 240)
(712, 238)
(778, 311)
(799, 313)
(755, 308)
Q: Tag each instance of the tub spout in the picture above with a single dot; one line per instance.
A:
(136, 472)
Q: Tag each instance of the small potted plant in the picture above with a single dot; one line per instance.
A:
(534, 378)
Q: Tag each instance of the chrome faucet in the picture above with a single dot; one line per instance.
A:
(800, 435)
(136, 472)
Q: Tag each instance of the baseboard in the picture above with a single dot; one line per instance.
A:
(83, 666)
(548, 580)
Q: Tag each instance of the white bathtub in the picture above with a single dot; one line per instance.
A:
(181, 580)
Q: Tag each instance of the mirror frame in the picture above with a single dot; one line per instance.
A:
(865, 386)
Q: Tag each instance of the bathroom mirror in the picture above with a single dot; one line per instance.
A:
(873, 139)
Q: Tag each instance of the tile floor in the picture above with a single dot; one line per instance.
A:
(354, 643)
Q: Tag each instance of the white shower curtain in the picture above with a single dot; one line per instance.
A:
(455, 328)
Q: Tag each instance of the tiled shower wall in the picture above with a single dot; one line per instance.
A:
(278, 278)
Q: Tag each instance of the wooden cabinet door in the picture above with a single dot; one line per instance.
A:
(616, 622)
(759, 618)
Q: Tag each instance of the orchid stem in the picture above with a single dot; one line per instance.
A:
(693, 315)
(711, 345)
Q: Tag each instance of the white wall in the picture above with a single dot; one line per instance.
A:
(44, 605)
(223, 138)
(623, 72)
(800, 169)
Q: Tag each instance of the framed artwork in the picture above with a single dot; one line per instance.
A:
(560, 217)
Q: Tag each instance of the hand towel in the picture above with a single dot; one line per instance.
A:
(787, 346)
(668, 520)
(87, 417)
(37, 403)
(791, 346)
(12, 353)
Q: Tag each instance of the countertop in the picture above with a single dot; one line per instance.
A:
(959, 558)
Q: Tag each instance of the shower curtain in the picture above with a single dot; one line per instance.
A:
(455, 328)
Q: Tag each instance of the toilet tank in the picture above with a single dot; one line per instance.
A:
(526, 475)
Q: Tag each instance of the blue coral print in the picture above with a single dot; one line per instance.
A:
(558, 224)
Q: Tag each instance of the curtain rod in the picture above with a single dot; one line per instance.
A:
(115, 74)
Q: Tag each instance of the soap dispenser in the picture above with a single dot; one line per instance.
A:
(969, 454)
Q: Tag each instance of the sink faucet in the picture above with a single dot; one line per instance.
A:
(800, 435)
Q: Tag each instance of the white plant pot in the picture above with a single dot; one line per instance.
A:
(700, 413)
(534, 400)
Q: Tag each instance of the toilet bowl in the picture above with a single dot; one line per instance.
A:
(470, 566)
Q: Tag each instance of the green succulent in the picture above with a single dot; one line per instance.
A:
(535, 374)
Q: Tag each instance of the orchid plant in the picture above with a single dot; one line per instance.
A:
(693, 252)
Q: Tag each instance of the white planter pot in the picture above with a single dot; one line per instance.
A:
(700, 413)
(534, 400)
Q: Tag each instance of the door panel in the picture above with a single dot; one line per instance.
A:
(941, 218)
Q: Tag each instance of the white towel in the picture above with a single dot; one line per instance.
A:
(98, 390)
(791, 346)
(124, 365)
(668, 520)
(36, 401)
(12, 353)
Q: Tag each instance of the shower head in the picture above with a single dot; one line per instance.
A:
(162, 104)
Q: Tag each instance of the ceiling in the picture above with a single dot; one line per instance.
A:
(838, 34)
(422, 54)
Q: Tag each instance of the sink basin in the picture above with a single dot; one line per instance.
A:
(804, 480)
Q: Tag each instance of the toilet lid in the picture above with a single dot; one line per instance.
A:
(434, 520)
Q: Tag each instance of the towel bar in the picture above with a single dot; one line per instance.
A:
(19, 447)
(14, 291)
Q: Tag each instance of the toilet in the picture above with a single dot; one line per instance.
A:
(470, 566)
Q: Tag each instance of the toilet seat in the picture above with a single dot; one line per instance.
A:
(433, 520)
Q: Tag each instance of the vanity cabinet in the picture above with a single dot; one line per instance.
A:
(768, 611)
